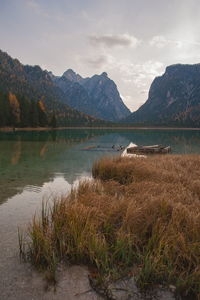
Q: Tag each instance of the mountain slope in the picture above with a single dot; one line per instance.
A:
(76, 95)
(34, 84)
(97, 96)
(174, 99)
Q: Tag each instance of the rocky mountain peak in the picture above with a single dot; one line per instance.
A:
(97, 96)
(104, 74)
(72, 76)
(174, 98)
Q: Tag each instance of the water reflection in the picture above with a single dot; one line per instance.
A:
(30, 160)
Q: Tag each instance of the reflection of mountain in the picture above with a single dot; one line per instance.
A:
(33, 158)
(181, 141)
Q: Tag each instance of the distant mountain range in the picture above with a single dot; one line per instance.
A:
(174, 99)
(30, 96)
(97, 96)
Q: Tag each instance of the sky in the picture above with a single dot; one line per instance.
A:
(132, 40)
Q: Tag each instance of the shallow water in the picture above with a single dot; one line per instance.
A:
(41, 165)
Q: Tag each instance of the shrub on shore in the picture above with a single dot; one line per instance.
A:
(138, 214)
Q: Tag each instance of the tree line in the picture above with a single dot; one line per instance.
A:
(18, 111)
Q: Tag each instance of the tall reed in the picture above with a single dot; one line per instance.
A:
(138, 214)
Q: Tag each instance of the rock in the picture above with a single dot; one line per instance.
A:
(161, 294)
(124, 289)
(172, 288)
(104, 95)
(97, 96)
(174, 99)
(73, 284)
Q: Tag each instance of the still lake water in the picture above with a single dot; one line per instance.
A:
(39, 165)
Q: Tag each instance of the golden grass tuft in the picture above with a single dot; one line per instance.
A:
(141, 213)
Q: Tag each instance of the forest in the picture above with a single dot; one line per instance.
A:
(18, 111)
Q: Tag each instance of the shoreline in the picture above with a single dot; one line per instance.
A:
(120, 226)
(10, 129)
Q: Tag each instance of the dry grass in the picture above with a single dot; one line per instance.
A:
(141, 213)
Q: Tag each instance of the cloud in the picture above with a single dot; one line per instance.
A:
(140, 74)
(113, 40)
(159, 41)
(137, 77)
(127, 98)
(144, 92)
(97, 62)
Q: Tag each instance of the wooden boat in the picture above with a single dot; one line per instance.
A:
(153, 149)
(102, 148)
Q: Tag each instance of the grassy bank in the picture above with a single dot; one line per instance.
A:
(138, 215)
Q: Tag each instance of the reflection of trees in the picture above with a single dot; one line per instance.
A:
(16, 153)
(35, 158)
(32, 158)
(43, 150)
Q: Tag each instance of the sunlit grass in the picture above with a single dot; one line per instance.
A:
(138, 214)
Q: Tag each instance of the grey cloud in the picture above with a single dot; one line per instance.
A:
(97, 62)
(112, 40)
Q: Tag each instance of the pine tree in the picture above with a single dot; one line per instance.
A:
(34, 122)
(53, 122)
(25, 107)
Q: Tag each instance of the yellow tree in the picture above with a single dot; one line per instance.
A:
(42, 116)
(15, 108)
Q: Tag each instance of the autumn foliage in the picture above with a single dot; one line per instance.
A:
(16, 111)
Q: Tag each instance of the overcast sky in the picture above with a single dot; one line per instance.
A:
(132, 40)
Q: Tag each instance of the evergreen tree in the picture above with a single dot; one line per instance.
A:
(25, 107)
(34, 122)
(3, 119)
(53, 122)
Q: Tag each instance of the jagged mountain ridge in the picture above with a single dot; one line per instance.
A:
(72, 76)
(35, 84)
(76, 95)
(97, 96)
(174, 99)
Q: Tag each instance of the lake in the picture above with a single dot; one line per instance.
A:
(41, 165)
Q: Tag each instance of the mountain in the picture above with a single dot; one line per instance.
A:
(105, 97)
(72, 76)
(30, 90)
(174, 99)
(76, 95)
(97, 96)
